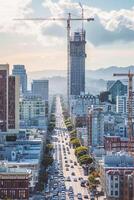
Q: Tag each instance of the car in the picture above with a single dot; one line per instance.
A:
(65, 157)
(75, 163)
(86, 196)
(70, 188)
(73, 174)
(75, 179)
(72, 166)
(66, 161)
(67, 169)
(68, 178)
(79, 195)
(67, 165)
(82, 183)
(71, 161)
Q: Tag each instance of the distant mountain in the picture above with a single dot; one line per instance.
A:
(102, 73)
(107, 73)
(95, 79)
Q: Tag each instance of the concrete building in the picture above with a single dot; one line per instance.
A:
(33, 112)
(79, 105)
(95, 127)
(122, 104)
(117, 143)
(114, 124)
(14, 182)
(117, 89)
(13, 103)
(83, 135)
(19, 70)
(24, 154)
(77, 64)
(116, 174)
(9, 101)
(41, 88)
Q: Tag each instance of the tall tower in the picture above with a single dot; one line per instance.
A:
(77, 63)
(4, 71)
(9, 100)
(19, 70)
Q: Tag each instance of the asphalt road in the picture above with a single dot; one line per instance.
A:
(67, 158)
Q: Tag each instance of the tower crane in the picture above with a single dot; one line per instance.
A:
(68, 21)
(130, 106)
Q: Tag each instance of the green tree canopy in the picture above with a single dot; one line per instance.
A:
(82, 150)
(85, 159)
(75, 142)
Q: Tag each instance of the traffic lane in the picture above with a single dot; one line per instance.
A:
(76, 185)
(78, 173)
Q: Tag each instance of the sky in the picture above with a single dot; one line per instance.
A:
(42, 45)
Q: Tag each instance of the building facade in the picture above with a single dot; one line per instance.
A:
(19, 70)
(41, 88)
(14, 183)
(77, 64)
(116, 175)
(95, 127)
(117, 89)
(9, 100)
(33, 112)
(117, 143)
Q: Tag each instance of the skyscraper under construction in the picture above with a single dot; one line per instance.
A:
(77, 63)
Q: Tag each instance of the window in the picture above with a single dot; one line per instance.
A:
(116, 193)
(116, 178)
(111, 192)
(116, 185)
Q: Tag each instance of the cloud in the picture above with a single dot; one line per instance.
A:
(108, 26)
(98, 35)
(10, 10)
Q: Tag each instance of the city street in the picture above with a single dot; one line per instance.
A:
(64, 157)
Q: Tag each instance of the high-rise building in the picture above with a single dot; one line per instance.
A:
(4, 71)
(20, 71)
(117, 89)
(77, 64)
(40, 88)
(95, 127)
(13, 102)
(9, 100)
(122, 104)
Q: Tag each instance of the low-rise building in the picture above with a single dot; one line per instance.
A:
(117, 143)
(25, 153)
(14, 182)
(115, 169)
